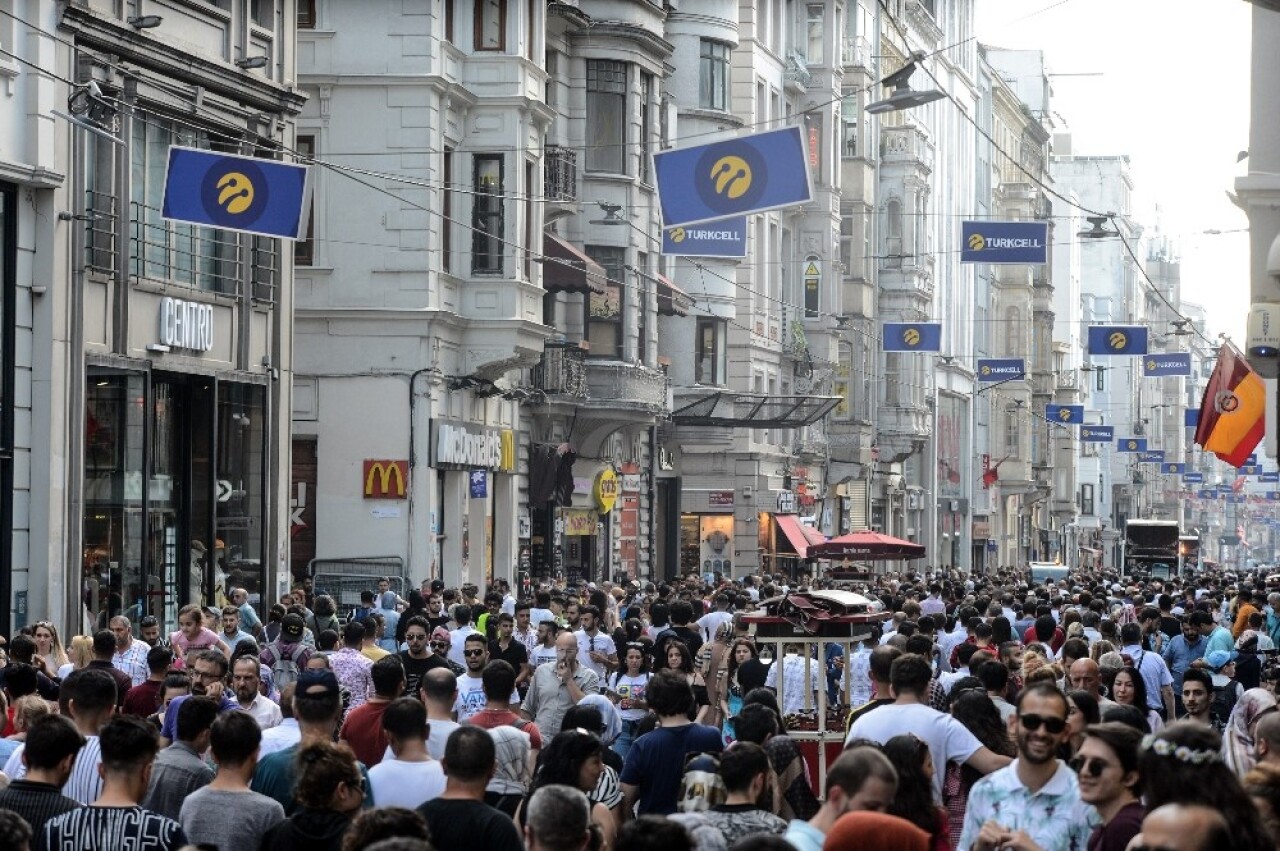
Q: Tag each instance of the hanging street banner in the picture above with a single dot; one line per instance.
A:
(1151, 456)
(1176, 469)
(1117, 340)
(1250, 470)
(1270, 478)
(1097, 433)
(722, 238)
(913, 336)
(1191, 417)
(245, 194)
(1064, 414)
(1132, 444)
(1207, 494)
(1001, 369)
(1023, 243)
(762, 171)
(1193, 478)
(1273, 494)
(1178, 363)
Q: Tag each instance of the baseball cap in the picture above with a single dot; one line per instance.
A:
(1219, 659)
(292, 626)
(437, 585)
(317, 681)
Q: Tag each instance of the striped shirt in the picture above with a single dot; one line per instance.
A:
(36, 802)
(84, 785)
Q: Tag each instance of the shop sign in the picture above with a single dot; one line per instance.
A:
(186, 325)
(385, 479)
(464, 445)
(786, 502)
(981, 529)
(631, 483)
(605, 489)
(579, 522)
(720, 499)
(479, 484)
(630, 526)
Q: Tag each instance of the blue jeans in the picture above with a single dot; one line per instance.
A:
(622, 744)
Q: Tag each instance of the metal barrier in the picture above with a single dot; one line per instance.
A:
(344, 578)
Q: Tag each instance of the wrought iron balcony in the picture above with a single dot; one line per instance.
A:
(560, 173)
(626, 385)
(562, 371)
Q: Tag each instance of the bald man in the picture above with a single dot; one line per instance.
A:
(1085, 676)
(1183, 827)
(1267, 740)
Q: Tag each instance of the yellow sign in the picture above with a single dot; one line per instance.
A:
(1118, 340)
(579, 522)
(812, 270)
(235, 192)
(605, 490)
(977, 242)
(378, 475)
(911, 337)
(732, 176)
(677, 234)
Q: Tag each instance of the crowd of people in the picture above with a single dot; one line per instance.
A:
(1091, 714)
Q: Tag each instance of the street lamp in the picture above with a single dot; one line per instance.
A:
(1097, 229)
(903, 97)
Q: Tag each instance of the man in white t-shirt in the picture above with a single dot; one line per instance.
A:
(471, 698)
(439, 692)
(545, 651)
(410, 777)
(596, 650)
(947, 738)
(711, 621)
(458, 637)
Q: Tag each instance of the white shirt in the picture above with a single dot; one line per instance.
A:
(471, 699)
(537, 616)
(602, 644)
(710, 623)
(792, 694)
(437, 738)
(540, 654)
(284, 735)
(508, 608)
(395, 783)
(947, 738)
(133, 661)
(265, 712)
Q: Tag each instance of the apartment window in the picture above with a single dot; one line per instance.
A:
(530, 44)
(646, 124)
(606, 115)
(446, 217)
(709, 351)
(551, 61)
(448, 21)
(846, 240)
(815, 18)
(306, 14)
(605, 310)
(1012, 433)
(490, 32)
(713, 79)
(304, 250)
(1086, 499)
(1100, 381)
(645, 284)
(530, 191)
(262, 11)
(849, 127)
(486, 215)
(893, 233)
(1013, 333)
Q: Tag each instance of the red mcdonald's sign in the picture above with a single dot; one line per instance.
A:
(385, 479)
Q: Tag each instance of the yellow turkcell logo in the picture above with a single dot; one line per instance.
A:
(1133, 444)
(1118, 340)
(1064, 414)
(911, 336)
(986, 370)
(977, 242)
(235, 192)
(677, 234)
(732, 176)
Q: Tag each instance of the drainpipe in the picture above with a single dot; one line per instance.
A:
(413, 463)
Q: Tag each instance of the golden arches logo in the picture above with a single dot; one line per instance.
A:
(732, 176)
(677, 234)
(235, 192)
(977, 242)
(911, 336)
(1118, 340)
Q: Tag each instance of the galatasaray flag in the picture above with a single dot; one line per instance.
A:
(1233, 410)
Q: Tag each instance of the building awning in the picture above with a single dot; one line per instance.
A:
(797, 534)
(567, 269)
(747, 410)
(672, 301)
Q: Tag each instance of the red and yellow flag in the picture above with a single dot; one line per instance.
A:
(1233, 410)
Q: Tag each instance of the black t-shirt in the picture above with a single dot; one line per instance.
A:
(1170, 626)
(443, 620)
(472, 825)
(515, 655)
(752, 674)
(416, 669)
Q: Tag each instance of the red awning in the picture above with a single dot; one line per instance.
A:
(566, 268)
(800, 536)
(869, 545)
(672, 301)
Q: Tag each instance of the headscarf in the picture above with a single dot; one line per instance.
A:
(609, 712)
(870, 831)
(1237, 736)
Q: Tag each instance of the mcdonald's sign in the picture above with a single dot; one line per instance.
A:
(385, 479)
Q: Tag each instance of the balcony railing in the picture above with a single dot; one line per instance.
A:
(560, 173)
(855, 51)
(627, 385)
(905, 143)
(797, 71)
(562, 371)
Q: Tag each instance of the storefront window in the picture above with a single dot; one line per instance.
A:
(237, 560)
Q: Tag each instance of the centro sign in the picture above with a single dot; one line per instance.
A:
(459, 444)
(186, 325)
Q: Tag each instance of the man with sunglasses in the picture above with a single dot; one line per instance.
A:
(1106, 768)
(419, 658)
(1034, 802)
(471, 696)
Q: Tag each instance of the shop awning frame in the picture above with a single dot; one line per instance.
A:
(672, 301)
(800, 536)
(749, 410)
(566, 268)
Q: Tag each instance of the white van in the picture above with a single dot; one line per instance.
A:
(1047, 571)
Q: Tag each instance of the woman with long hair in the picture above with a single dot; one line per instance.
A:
(1238, 734)
(1082, 711)
(1001, 630)
(740, 652)
(574, 758)
(329, 792)
(914, 801)
(975, 710)
(49, 647)
(79, 655)
(676, 657)
(324, 616)
(627, 689)
(1129, 689)
(1182, 764)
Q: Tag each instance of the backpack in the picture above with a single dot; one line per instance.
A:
(284, 667)
(701, 787)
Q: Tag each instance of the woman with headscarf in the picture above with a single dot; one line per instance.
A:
(1237, 736)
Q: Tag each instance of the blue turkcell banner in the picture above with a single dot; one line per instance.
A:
(1174, 468)
(1191, 417)
(721, 238)
(1252, 460)
(1208, 493)
(1151, 456)
(1001, 369)
(1273, 494)
(1192, 478)
(1117, 339)
(1064, 414)
(1249, 470)
(763, 171)
(1237, 499)
(1005, 242)
(913, 336)
(1178, 363)
(238, 193)
(1270, 478)
(1097, 433)
(1132, 444)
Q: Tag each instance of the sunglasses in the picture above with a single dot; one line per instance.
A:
(471, 653)
(439, 644)
(1033, 722)
(415, 638)
(1089, 767)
